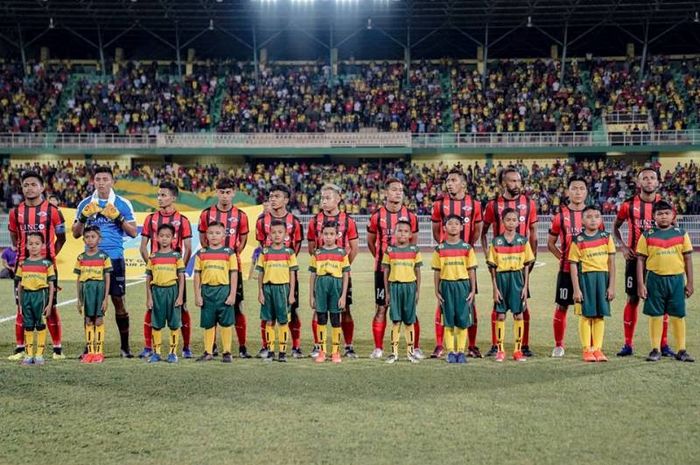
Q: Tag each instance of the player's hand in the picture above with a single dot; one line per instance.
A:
(231, 299)
(89, 210)
(47, 310)
(261, 298)
(470, 297)
(523, 294)
(611, 294)
(578, 296)
(149, 303)
(80, 308)
(417, 297)
(291, 299)
(642, 291)
(341, 302)
(178, 302)
(497, 297)
(440, 300)
(198, 301)
(105, 306)
(689, 289)
(387, 300)
(627, 252)
(111, 212)
(312, 303)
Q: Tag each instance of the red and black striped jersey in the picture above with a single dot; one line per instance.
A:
(382, 222)
(235, 222)
(565, 225)
(639, 217)
(183, 229)
(467, 208)
(293, 236)
(43, 218)
(523, 206)
(347, 229)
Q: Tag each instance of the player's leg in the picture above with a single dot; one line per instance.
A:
(410, 321)
(117, 291)
(439, 334)
(295, 325)
(321, 307)
(207, 321)
(226, 319)
(655, 308)
(676, 311)
(185, 327)
(448, 311)
(321, 332)
(630, 312)
(162, 300)
(18, 354)
(563, 298)
(597, 286)
(463, 315)
(174, 323)
(666, 350)
(347, 324)
(279, 297)
(395, 313)
(336, 333)
(30, 300)
(379, 320)
(501, 308)
(54, 325)
(473, 349)
(241, 320)
(147, 335)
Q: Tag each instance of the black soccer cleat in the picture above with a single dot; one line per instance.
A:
(492, 351)
(654, 356)
(474, 352)
(667, 352)
(227, 357)
(527, 352)
(282, 357)
(683, 356)
(243, 352)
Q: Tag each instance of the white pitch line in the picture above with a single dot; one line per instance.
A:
(68, 302)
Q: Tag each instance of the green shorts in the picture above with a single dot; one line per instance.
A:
(665, 294)
(594, 287)
(510, 285)
(214, 310)
(456, 312)
(402, 307)
(328, 290)
(93, 297)
(276, 306)
(164, 309)
(33, 305)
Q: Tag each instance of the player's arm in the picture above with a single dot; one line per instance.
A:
(611, 277)
(641, 272)
(533, 238)
(143, 248)
(60, 240)
(233, 280)
(418, 276)
(387, 295)
(688, 261)
(105, 302)
(312, 290)
(197, 282)
(180, 288)
(478, 226)
(436, 285)
(311, 237)
(20, 292)
(526, 282)
(186, 250)
(77, 229)
(437, 231)
(79, 293)
(354, 249)
(49, 305)
(343, 295)
(484, 239)
(292, 285)
(242, 241)
(552, 246)
(578, 295)
(472, 278)
(129, 227)
(494, 285)
(371, 245)
(14, 237)
(261, 296)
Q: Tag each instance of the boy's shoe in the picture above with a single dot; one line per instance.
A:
(125, 353)
(320, 357)
(146, 353)
(263, 353)
(314, 353)
(667, 352)
(39, 360)
(270, 357)
(451, 357)
(154, 358)
(527, 352)
(58, 354)
(461, 357)
(418, 354)
(501, 356)
(172, 358)
(243, 352)
(282, 357)
(438, 352)
(205, 357)
(296, 353)
(626, 351)
(187, 352)
(350, 351)
(17, 356)
(654, 356)
(474, 352)
(492, 351)
(227, 357)
(335, 358)
(392, 358)
(87, 358)
(98, 358)
(683, 356)
(412, 358)
(589, 356)
(600, 356)
(26, 361)
(519, 356)
(377, 353)
(558, 352)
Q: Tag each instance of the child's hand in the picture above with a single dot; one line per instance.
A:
(198, 301)
(627, 252)
(231, 299)
(689, 289)
(497, 296)
(105, 306)
(470, 297)
(523, 294)
(611, 294)
(387, 300)
(341, 302)
(312, 303)
(417, 296)
(578, 296)
(291, 299)
(80, 308)
(178, 302)
(47, 310)
(261, 298)
(642, 291)
(441, 301)
(149, 303)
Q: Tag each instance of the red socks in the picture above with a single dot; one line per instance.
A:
(439, 328)
(664, 332)
(186, 329)
(314, 328)
(526, 327)
(559, 325)
(263, 337)
(348, 327)
(19, 329)
(148, 331)
(241, 328)
(295, 329)
(416, 334)
(629, 318)
(471, 331)
(494, 318)
(378, 328)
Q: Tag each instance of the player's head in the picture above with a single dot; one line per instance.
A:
(509, 218)
(663, 213)
(104, 180)
(402, 232)
(35, 241)
(592, 218)
(648, 180)
(165, 232)
(510, 179)
(32, 185)
(216, 231)
(279, 197)
(278, 229)
(330, 197)
(167, 194)
(92, 236)
(456, 182)
(394, 190)
(225, 188)
(53, 200)
(453, 225)
(330, 233)
(577, 188)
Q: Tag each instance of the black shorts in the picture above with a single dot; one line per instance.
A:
(379, 291)
(117, 279)
(565, 290)
(631, 278)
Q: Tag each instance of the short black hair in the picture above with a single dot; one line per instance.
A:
(281, 188)
(103, 169)
(170, 186)
(35, 234)
(32, 174)
(92, 228)
(392, 180)
(506, 170)
(452, 216)
(278, 223)
(225, 183)
(507, 211)
(167, 226)
(403, 221)
(649, 168)
(216, 223)
(458, 172)
(593, 207)
(661, 205)
(330, 224)
(577, 179)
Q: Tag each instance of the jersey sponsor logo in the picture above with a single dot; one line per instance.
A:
(41, 213)
(521, 219)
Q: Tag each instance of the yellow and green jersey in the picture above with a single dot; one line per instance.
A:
(35, 275)
(665, 250)
(454, 261)
(215, 265)
(592, 251)
(402, 263)
(276, 265)
(330, 262)
(514, 255)
(92, 267)
(164, 268)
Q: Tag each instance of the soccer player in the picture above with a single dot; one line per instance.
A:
(278, 198)
(380, 235)
(457, 202)
(114, 216)
(454, 265)
(93, 269)
(511, 197)
(34, 214)
(510, 257)
(182, 244)
(236, 229)
(36, 278)
(277, 279)
(348, 239)
(215, 283)
(165, 291)
(592, 257)
(664, 259)
(636, 212)
(401, 264)
(328, 288)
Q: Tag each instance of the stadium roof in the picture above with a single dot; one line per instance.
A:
(362, 28)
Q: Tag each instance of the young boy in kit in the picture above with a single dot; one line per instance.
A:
(165, 288)
(401, 265)
(215, 280)
(454, 264)
(37, 279)
(276, 268)
(664, 259)
(509, 260)
(592, 257)
(328, 287)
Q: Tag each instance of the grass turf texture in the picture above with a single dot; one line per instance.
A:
(363, 411)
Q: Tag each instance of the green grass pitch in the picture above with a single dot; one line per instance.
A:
(541, 412)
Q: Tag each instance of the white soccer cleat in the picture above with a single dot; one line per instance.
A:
(377, 353)
(392, 358)
(558, 352)
(413, 358)
(418, 354)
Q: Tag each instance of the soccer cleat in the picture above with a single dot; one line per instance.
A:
(413, 359)
(335, 358)
(263, 353)
(26, 361)
(626, 351)
(438, 352)
(187, 352)
(39, 360)
(501, 356)
(667, 352)
(589, 356)
(154, 358)
(474, 352)
(17, 356)
(558, 352)
(58, 355)
(314, 353)
(492, 351)
(599, 356)
(227, 357)
(98, 358)
(451, 357)
(527, 352)
(172, 358)
(683, 356)
(377, 354)
(392, 358)
(519, 357)
(654, 356)
(282, 357)
(296, 353)
(146, 353)
(125, 353)
(461, 357)
(418, 354)
(243, 352)
(87, 358)
(320, 357)
(350, 352)
(205, 357)
(270, 357)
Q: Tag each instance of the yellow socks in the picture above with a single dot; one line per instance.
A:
(395, 334)
(90, 338)
(321, 333)
(174, 340)
(40, 342)
(500, 334)
(100, 339)
(157, 340)
(409, 332)
(209, 336)
(227, 338)
(29, 342)
(336, 333)
(678, 330)
(461, 336)
(270, 337)
(584, 332)
(449, 339)
(598, 327)
(656, 324)
(518, 331)
(284, 337)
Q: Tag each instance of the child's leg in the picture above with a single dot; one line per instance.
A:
(449, 339)
(156, 339)
(269, 339)
(395, 334)
(99, 336)
(283, 336)
(321, 334)
(40, 339)
(410, 334)
(678, 329)
(664, 332)
(518, 332)
(500, 330)
(584, 332)
(147, 330)
(29, 341)
(655, 330)
(226, 338)
(90, 335)
(174, 340)
(598, 333)
(209, 336)
(461, 335)
(336, 332)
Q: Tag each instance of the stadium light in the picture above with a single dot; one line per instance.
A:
(697, 18)
(51, 25)
(369, 24)
(529, 21)
(211, 24)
